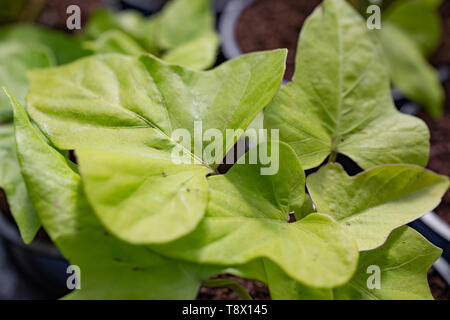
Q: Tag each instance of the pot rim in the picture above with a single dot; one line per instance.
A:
(231, 14)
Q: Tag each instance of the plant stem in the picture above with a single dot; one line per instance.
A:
(230, 284)
(333, 157)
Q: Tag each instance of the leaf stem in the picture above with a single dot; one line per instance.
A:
(333, 157)
(230, 284)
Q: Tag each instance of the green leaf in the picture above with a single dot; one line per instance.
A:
(110, 268)
(198, 54)
(419, 20)
(115, 41)
(16, 59)
(230, 284)
(373, 203)
(129, 23)
(410, 72)
(247, 219)
(341, 103)
(65, 48)
(183, 21)
(403, 262)
(133, 105)
(12, 183)
(144, 199)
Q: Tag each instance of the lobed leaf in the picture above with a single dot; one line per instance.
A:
(110, 268)
(420, 20)
(116, 101)
(341, 103)
(183, 33)
(64, 47)
(246, 220)
(373, 203)
(403, 262)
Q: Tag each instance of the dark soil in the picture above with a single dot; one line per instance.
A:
(272, 24)
(440, 150)
(257, 290)
(439, 288)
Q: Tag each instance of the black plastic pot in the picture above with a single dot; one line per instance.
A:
(41, 263)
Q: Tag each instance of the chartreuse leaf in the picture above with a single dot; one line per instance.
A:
(183, 33)
(403, 262)
(247, 220)
(134, 105)
(12, 183)
(146, 198)
(198, 54)
(16, 59)
(110, 268)
(129, 24)
(120, 101)
(420, 20)
(341, 103)
(373, 203)
(409, 70)
(64, 47)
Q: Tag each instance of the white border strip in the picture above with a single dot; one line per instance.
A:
(438, 225)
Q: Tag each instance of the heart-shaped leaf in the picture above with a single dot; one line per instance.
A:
(341, 102)
(395, 271)
(247, 219)
(110, 268)
(371, 204)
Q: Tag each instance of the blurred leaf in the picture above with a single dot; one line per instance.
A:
(16, 59)
(373, 203)
(64, 47)
(340, 99)
(419, 20)
(409, 70)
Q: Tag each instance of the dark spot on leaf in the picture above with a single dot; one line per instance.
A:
(137, 269)
(117, 259)
(164, 174)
